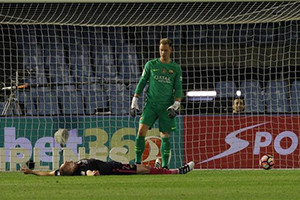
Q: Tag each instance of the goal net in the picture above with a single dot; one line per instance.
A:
(75, 66)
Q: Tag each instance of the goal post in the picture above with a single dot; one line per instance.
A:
(75, 66)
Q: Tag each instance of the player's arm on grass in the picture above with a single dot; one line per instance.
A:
(37, 173)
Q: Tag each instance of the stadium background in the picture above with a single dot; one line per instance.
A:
(76, 64)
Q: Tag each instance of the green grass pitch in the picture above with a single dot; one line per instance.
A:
(201, 184)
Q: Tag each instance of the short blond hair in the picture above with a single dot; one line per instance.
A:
(165, 41)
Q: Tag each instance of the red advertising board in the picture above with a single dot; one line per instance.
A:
(235, 142)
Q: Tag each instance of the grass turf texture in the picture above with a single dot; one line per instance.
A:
(207, 184)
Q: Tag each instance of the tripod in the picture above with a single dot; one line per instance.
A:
(12, 103)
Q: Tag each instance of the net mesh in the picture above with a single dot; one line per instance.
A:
(145, 14)
(76, 65)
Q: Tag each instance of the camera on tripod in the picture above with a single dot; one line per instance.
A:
(12, 103)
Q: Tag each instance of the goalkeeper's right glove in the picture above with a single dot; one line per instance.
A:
(134, 107)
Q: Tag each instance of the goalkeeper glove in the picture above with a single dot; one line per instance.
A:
(174, 109)
(134, 107)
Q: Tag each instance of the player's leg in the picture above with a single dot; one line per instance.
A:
(165, 148)
(140, 143)
(166, 126)
(147, 119)
(142, 169)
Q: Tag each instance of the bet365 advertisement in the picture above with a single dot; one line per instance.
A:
(213, 142)
(103, 137)
(239, 141)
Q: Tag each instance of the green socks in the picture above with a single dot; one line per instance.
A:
(139, 148)
(165, 151)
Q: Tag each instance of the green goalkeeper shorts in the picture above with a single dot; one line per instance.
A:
(154, 111)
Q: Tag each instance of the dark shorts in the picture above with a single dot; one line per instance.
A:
(123, 169)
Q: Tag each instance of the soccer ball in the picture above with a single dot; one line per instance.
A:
(266, 162)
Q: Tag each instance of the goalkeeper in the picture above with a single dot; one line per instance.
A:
(164, 78)
(94, 167)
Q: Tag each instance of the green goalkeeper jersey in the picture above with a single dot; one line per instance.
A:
(165, 81)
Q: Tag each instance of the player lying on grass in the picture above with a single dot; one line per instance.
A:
(94, 167)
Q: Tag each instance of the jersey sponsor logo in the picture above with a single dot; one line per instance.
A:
(162, 79)
(171, 72)
(236, 144)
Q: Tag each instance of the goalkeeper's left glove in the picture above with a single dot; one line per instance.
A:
(174, 109)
